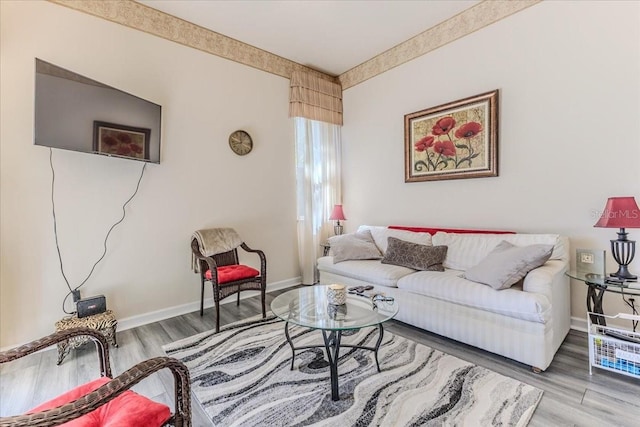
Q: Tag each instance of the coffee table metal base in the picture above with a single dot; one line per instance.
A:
(332, 347)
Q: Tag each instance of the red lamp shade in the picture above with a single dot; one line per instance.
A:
(338, 214)
(620, 212)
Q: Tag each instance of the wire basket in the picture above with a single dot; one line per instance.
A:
(612, 348)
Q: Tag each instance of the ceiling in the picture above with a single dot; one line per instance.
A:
(330, 36)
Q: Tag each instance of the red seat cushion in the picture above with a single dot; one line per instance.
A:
(128, 409)
(231, 273)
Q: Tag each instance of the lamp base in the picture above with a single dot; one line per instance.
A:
(337, 229)
(623, 251)
(623, 273)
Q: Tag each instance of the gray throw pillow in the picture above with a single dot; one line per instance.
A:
(414, 255)
(358, 245)
(506, 264)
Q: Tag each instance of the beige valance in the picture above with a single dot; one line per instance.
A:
(315, 98)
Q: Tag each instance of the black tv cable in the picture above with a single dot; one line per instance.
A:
(75, 292)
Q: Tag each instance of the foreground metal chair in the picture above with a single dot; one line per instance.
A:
(111, 391)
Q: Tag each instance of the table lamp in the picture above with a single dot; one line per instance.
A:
(621, 212)
(337, 214)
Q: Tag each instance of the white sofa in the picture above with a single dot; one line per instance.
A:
(526, 322)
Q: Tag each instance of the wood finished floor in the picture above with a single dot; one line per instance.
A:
(571, 396)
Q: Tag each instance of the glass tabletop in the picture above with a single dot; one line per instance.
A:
(309, 307)
(607, 283)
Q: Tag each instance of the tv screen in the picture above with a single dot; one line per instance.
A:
(73, 112)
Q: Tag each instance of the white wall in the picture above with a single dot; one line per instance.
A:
(200, 182)
(569, 76)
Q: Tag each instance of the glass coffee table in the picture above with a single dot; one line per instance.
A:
(308, 307)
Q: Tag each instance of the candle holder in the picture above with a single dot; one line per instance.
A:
(337, 312)
(336, 294)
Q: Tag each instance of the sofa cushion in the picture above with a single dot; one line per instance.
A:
(381, 234)
(506, 264)
(451, 287)
(370, 271)
(414, 255)
(467, 250)
(357, 245)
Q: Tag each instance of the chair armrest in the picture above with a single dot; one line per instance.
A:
(263, 258)
(110, 391)
(102, 346)
(541, 280)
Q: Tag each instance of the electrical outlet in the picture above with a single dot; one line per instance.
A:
(586, 258)
(76, 295)
(591, 261)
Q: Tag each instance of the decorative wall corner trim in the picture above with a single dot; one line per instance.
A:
(141, 17)
(466, 22)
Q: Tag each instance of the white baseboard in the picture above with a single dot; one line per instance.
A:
(579, 324)
(178, 310)
(166, 313)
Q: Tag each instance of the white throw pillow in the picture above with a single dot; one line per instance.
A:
(381, 234)
(357, 245)
(507, 264)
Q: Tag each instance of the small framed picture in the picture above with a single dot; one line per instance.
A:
(121, 140)
(591, 261)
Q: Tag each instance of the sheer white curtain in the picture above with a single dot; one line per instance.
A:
(318, 176)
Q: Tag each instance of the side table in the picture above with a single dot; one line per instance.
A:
(104, 323)
(597, 286)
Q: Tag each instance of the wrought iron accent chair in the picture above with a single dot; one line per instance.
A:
(219, 264)
(89, 400)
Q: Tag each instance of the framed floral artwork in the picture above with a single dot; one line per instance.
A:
(120, 140)
(453, 141)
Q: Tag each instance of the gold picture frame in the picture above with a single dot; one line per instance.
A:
(453, 141)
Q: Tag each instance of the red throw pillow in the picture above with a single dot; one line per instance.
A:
(433, 231)
(231, 273)
(128, 409)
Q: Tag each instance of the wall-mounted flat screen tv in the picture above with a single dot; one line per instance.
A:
(73, 112)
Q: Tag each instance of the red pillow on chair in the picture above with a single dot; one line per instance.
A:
(128, 409)
(231, 273)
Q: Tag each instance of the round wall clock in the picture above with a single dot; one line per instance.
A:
(240, 142)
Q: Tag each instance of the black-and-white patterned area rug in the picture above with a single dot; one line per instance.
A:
(241, 377)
